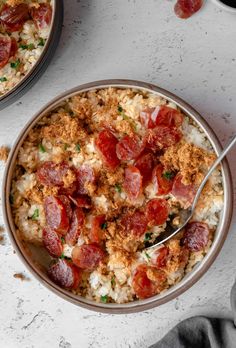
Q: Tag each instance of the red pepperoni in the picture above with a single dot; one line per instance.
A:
(161, 115)
(134, 224)
(42, 15)
(51, 174)
(129, 148)
(161, 184)
(148, 117)
(160, 256)
(184, 193)
(85, 175)
(161, 137)
(56, 214)
(82, 201)
(186, 8)
(132, 182)
(196, 236)
(145, 163)
(65, 274)
(14, 47)
(65, 200)
(52, 242)
(12, 18)
(142, 285)
(157, 211)
(5, 50)
(97, 231)
(87, 256)
(77, 223)
(106, 144)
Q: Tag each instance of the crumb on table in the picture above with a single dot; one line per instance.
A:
(4, 152)
(21, 276)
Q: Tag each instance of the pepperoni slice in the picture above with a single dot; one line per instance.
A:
(51, 174)
(145, 163)
(106, 144)
(5, 50)
(65, 200)
(186, 8)
(52, 242)
(162, 184)
(132, 182)
(77, 223)
(97, 232)
(12, 18)
(129, 148)
(87, 256)
(65, 274)
(134, 224)
(42, 15)
(142, 285)
(14, 47)
(82, 201)
(161, 137)
(196, 236)
(160, 256)
(184, 193)
(85, 176)
(161, 115)
(157, 211)
(56, 214)
(148, 116)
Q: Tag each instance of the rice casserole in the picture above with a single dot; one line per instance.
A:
(96, 181)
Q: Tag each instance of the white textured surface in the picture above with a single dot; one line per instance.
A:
(196, 59)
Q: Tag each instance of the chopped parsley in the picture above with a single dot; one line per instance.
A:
(118, 188)
(63, 240)
(42, 148)
(16, 64)
(147, 236)
(120, 109)
(168, 175)
(78, 148)
(35, 215)
(62, 256)
(3, 79)
(104, 226)
(11, 198)
(104, 299)
(147, 256)
(66, 146)
(27, 47)
(113, 282)
(41, 41)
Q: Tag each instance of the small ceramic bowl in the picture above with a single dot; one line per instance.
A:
(36, 258)
(225, 7)
(40, 66)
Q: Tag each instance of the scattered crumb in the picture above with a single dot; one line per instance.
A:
(2, 239)
(4, 152)
(21, 276)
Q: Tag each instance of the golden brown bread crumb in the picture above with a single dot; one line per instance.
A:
(69, 178)
(178, 256)
(64, 129)
(190, 160)
(4, 152)
(2, 235)
(14, 2)
(125, 127)
(21, 276)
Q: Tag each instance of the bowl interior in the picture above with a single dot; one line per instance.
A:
(36, 258)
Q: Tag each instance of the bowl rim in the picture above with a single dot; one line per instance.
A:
(189, 279)
(224, 6)
(30, 76)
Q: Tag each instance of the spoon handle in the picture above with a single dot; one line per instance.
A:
(228, 147)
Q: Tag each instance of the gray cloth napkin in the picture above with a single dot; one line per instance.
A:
(203, 332)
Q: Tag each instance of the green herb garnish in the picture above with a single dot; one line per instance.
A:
(118, 188)
(42, 148)
(147, 256)
(63, 240)
(41, 42)
(66, 146)
(11, 198)
(120, 109)
(104, 226)
(104, 299)
(147, 237)
(35, 215)
(113, 282)
(3, 79)
(168, 175)
(78, 148)
(62, 256)
(27, 47)
(16, 64)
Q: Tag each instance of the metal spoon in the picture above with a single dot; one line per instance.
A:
(186, 214)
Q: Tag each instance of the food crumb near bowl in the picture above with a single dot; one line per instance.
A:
(21, 276)
(4, 152)
(2, 238)
(98, 178)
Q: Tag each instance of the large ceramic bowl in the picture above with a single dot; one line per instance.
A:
(42, 63)
(35, 259)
